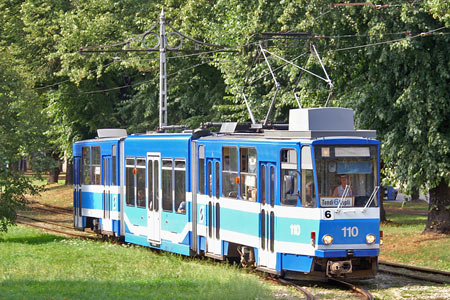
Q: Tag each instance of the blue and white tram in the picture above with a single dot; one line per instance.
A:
(300, 203)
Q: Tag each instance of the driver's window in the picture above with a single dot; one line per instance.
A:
(308, 187)
(289, 177)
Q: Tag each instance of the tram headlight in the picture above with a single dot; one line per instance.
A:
(327, 239)
(370, 239)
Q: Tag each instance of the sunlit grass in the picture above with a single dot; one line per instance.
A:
(404, 242)
(37, 265)
(407, 205)
(56, 194)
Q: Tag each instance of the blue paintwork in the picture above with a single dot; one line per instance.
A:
(298, 263)
(341, 236)
(239, 221)
(330, 253)
(178, 146)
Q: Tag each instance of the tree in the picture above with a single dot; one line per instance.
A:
(20, 125)
(400, 88)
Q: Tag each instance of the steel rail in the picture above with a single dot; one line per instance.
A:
(413, 268)
(57, 211)
(58, 231)
(307, 293)
(69, 210)
(361, 291)
(43, 221)
(421, 273)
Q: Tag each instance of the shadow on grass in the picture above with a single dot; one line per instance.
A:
(159, 288)
(36, 239)
(54, 187)
(403, 219)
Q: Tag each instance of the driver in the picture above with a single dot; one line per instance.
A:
(339, 190)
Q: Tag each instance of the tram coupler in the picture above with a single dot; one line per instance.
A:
(337, 268)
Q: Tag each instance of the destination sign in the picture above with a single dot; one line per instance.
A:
(334, 201)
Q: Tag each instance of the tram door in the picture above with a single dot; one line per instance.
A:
(213, 243)
(267, 181)
(153, 192)
(106, 222)
(77, 219)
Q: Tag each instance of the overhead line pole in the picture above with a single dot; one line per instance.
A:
(162, 46)
(162, 73)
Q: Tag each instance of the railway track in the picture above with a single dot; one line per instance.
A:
(429, 275)
(72, 234)
(365, 294)
(308, 294)
(51, 208)
(56, 227)
(435, 276)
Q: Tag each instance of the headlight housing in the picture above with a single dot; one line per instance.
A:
(370, 239)
(327, 239)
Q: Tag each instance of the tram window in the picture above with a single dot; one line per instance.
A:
(156, 178)
(86, 165)
(308, 186)
(114, 165)
(230, 175)
(97, 175)
(201, 169)
(140, 182)
(217, 180)
(289, 177)
(262, 183)
(130, 181)
(272, 185)
(180, 186)
(150, 184)
(167, 189)
(248, 174)
(210, 186)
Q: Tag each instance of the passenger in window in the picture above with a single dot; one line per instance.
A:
(251, 193)
(182, 208)
(308, 201)
(140, 196)
(339, 190)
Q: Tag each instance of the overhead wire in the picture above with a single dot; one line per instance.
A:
(64, 81)
(422, 34)
(142, 82)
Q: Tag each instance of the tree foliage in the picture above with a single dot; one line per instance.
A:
(390, 64)
(19, 137)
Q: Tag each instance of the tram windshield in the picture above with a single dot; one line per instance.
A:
(347, 175)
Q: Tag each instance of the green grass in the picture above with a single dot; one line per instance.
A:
(404, 242)
(408, 205)
(37, 265)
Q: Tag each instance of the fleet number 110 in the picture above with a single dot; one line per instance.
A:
(350, 231)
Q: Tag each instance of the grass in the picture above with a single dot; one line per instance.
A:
(407, 205)
(37, 265)
(405, 243)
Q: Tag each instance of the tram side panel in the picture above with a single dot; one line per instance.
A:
(157, 193)
(281, 227)
(97, 186)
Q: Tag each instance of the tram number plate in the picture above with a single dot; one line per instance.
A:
(328, 214)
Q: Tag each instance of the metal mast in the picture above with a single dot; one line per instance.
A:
(162, 72)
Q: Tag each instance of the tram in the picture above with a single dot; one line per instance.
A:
(301, 203)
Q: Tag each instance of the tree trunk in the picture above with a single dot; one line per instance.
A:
(54, 172)
(382, 211)
(69, 172)
(439, 209)
(415, 194)
(53, 175)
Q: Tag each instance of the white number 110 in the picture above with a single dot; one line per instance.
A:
(350, 231)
